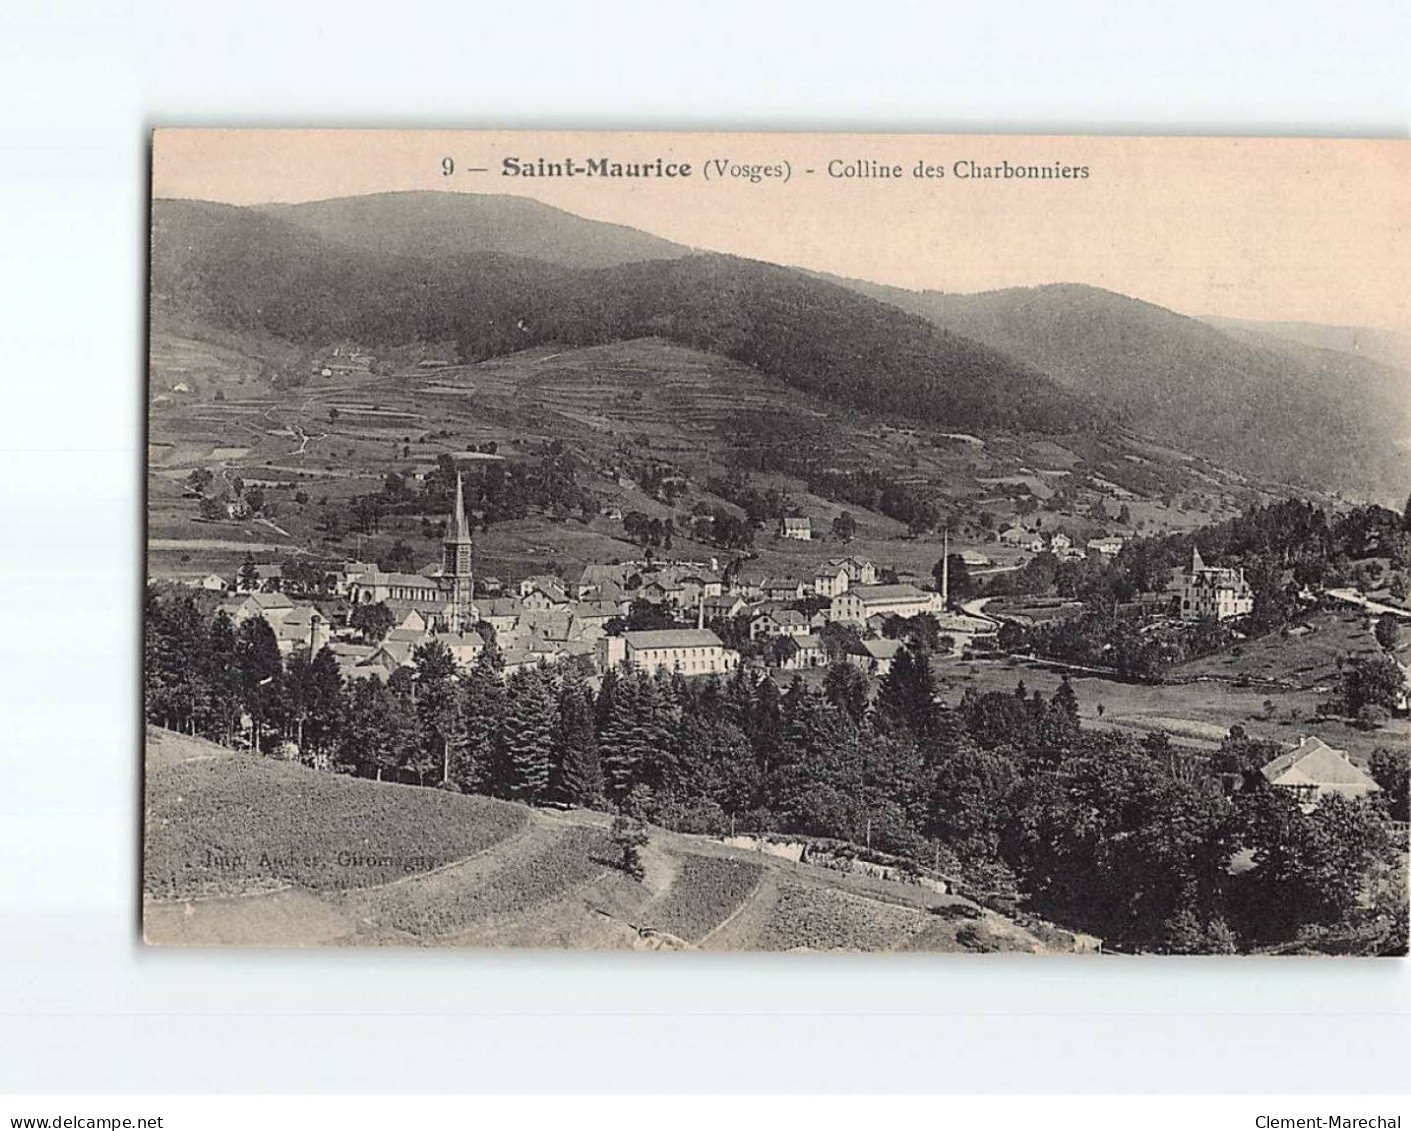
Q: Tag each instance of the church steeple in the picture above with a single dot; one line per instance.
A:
(1197, 563)
(457, 522)
(456, 564)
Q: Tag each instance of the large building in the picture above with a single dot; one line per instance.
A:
(689, 651)
(1212, 592)
(860, 602)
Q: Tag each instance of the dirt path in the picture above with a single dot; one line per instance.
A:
(741, 929)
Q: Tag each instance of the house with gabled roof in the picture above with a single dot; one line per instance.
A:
(1313, 769)
(799, 652)
(875, 657)
(830, 579)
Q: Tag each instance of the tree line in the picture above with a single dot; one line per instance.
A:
(1129, 839)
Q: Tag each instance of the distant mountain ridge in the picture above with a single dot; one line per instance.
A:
(1299, 404)
(1272, 408)
(252, 269)
(1378, 347)
(446, 224)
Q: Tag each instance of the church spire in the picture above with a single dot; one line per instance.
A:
(458, 523)
(1197, 564)
(457, 581)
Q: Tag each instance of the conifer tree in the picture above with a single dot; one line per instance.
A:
(578, 776)
(475, 740)
(261, 671)
(527, 737)
(906, 696)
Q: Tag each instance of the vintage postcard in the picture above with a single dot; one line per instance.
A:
(778, 542)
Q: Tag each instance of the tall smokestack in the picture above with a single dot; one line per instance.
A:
(945, 569)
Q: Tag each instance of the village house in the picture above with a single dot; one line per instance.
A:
(1107, 547)
(798, 529)
(660, 592)
(861, 571)
(541, 580)
(1313, 769)
(861, 602)
(874, 657)
(724, 607)
(974, 559)
(602, 582)
(799, 652)
(783, 589)
(689, 651)
(544, 596)
(1023, 539)
(271, 606)
(830, 579)
(778, 622)
(1210, 592)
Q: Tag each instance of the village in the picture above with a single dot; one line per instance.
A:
(703, 620)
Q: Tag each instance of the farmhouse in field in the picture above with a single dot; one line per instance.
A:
(1210, 592)
(689, 651)
(1313, 769)
(799, 529)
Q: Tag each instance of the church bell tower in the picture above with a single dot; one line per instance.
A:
(456, 573)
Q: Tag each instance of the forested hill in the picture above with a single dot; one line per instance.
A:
(245, 269)
(1317, 418)
(440, 224)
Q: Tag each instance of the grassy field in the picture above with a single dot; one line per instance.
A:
(328, 439)
(241, 850)
(1200, 713)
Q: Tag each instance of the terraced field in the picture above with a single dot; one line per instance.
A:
(246, 851)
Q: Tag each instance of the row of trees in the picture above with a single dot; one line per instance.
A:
(1093, 829)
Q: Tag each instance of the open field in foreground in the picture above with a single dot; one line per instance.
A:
(242, 850)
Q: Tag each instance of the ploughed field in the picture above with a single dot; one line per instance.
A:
(244, 850)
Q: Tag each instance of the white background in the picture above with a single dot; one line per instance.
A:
(83, 1007)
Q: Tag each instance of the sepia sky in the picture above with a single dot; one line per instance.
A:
(1277, 230)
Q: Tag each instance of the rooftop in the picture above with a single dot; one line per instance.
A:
(674, 638)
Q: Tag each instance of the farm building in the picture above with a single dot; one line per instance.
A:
(1313, 769)
(874, 656)
(799, 529)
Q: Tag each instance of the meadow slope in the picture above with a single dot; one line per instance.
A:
(241, 850)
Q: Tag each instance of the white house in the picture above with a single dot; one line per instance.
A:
(799, 529)
(689, 651)
(863, 601)
(1314, 769)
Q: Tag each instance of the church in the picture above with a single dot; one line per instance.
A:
(445, 599)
